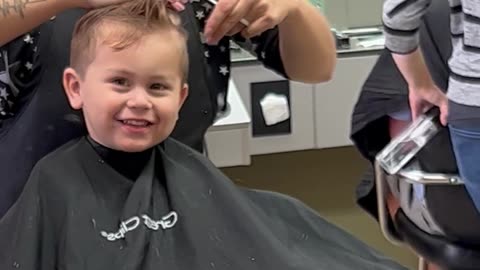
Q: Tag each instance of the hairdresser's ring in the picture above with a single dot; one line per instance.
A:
(245, 22)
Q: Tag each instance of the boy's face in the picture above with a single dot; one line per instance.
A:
(131, 98)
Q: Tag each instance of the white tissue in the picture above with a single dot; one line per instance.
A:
(274, 108)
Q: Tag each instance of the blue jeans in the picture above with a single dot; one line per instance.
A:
(466, 145)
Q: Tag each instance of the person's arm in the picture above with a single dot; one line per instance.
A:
(18, 17)
(267, 48)
(307, 46)
(414, 70)
(402, 20)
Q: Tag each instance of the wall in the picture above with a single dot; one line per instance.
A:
(344, 14)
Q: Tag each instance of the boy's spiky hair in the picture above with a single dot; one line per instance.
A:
(135, 19)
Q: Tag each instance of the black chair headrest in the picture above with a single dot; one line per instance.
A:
(436, 249)
(454, 211)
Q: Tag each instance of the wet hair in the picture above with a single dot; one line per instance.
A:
(133, 20)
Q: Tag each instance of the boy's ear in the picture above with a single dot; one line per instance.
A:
(71, 85)
(183, 94)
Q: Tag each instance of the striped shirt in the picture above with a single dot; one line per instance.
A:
(402, 19)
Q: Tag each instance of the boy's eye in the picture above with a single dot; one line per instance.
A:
(120, 81)
(158, 86)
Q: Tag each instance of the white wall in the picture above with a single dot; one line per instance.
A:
(344, 14)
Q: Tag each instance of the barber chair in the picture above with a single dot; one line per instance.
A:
(445, 198)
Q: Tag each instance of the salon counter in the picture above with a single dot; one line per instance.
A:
(241, 57)
(319, 113)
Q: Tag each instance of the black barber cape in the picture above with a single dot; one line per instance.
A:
(385, 91)
(77, 212)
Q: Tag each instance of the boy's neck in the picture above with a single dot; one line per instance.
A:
(127, 164)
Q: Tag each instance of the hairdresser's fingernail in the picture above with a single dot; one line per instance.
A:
(208, 39)
(213, 42)
(179, 6)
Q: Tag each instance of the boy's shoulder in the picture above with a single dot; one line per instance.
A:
(60, 156)
(183, 154)
(190, 160)
(57, 168)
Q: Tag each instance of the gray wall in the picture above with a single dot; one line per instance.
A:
(343, 14)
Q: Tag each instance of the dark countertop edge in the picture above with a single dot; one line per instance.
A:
(343, 53)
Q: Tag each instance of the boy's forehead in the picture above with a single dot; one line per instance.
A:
(118, 33)
(112, 30)
(117, 41)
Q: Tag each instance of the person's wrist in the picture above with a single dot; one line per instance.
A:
(423, 87)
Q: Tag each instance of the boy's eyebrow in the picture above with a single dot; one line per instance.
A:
(129, 73)
(159, 77)
(121, 71)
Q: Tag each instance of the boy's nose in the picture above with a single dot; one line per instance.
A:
(139, 100)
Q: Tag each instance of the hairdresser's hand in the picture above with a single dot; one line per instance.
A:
(422, 99)
(261, 15)
(89, 4)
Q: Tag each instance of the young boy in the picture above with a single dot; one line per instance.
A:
(116, 200)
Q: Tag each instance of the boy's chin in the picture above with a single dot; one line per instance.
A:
(135, 146)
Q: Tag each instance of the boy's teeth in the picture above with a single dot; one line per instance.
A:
(136, 122)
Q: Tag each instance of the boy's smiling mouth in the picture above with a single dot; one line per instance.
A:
(136, 126)
(136, 122)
